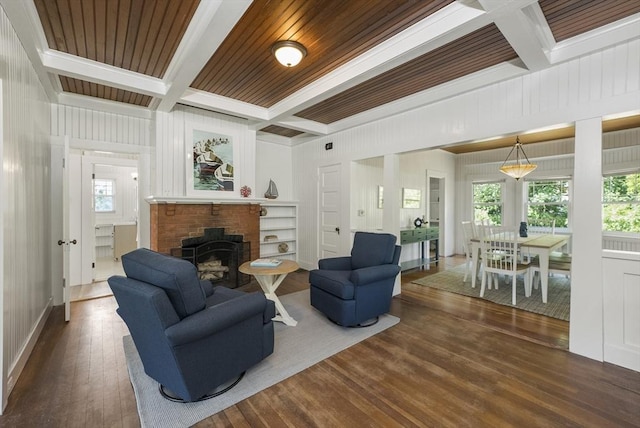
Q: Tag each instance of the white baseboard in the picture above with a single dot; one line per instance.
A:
(16, 369)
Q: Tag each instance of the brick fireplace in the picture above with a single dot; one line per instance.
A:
(173, 222)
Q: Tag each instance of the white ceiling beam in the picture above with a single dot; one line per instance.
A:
(209, 101)
(99, 104)
(521, 33)
(476, 80)
(304, 125)
(273, 138)
(104, 74)
(211, 24)
(293, 122)
(26, 23)
(540, 26)
(618, 32)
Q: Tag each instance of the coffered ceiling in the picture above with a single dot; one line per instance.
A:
(366, 59)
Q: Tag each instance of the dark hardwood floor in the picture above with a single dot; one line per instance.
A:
(451, 361)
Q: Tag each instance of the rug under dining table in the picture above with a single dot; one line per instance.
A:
(558, 298)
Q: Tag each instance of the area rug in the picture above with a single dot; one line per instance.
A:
(558, 294)
(296, 348)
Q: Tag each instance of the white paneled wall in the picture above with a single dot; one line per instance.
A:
(273, 162)
(621, 309)
(366, 179)
(171, 149)
(84, 124)
(590, 86)
(25, 265)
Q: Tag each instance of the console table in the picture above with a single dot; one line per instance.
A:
(420, 235)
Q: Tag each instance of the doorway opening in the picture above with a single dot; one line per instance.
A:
(104, 213)
(435, 208)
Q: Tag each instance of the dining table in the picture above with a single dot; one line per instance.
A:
(532, 245)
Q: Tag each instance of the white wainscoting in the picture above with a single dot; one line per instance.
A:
(621, 289)
(25, 251)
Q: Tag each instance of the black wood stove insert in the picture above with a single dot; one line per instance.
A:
(217, 256)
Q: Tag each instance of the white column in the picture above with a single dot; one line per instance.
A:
(586, 325)
(391, 208)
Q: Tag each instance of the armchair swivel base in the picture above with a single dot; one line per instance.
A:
(225, 387)
(365, 323)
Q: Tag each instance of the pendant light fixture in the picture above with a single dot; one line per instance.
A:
(518, 169)
(288, 52)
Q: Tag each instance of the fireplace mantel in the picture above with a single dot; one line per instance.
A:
(154, 200)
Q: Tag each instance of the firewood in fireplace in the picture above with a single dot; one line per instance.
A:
(212, 266)
(211, 275)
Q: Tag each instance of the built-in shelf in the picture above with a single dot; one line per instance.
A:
(104, 240)
(434, 201)
(280, 221)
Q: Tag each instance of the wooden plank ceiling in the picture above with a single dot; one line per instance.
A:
(569, 18)
(333, 32)
(473, 52)
(137, 35)
(144, 35)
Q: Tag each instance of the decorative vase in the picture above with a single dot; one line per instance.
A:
(245, 191)
(523, 229)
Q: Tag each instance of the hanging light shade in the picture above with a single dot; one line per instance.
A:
(518, 169)
(288, 52)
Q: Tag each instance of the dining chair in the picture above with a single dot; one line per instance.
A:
(500, 256)
(484, 229)
(556, 256)
(555, 267)
(468, 232)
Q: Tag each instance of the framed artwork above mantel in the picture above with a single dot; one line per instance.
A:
(211, 157)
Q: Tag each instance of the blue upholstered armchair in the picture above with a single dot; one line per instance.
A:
(191, 337)
(356, 290)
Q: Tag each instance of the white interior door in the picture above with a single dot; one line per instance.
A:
(66, 240)
(329, 205)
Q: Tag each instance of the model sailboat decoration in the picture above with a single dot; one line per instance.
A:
(272, 191)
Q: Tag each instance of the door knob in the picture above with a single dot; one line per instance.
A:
(338, 230)
(74, 242)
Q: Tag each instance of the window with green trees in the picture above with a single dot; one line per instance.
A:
(621, 203)
(103, 195)
(548, 203)
(487, 202)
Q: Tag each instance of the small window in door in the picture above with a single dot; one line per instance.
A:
(104, 195)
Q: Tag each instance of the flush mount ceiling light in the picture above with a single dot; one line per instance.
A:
(518, 169)
(288, 52)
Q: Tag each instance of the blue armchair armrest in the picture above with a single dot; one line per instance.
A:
(216, 318)
(374, 273)
(335, 263)
(207, 287)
